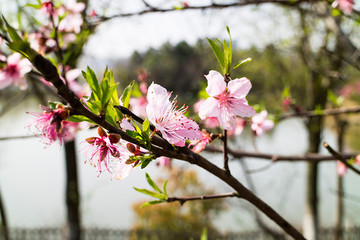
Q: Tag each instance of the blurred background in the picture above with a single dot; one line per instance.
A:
(304, 52)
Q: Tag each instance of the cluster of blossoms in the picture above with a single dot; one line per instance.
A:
(227, 101)
(66, 18)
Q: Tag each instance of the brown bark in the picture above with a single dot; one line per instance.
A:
(72, 193)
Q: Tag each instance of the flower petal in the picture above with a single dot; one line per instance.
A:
(216, 83)
(209, 108)
(239, 88)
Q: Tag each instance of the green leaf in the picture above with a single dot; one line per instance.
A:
(227, 58)
(79, 118)
(204, 234)
(152, 183)
(127, 94)
(164, 187)
(318, 110)
(218, 53)
(145, 163)
(150, 193)
(36, 6)
(93, 82)
(146, 126)
(241, 63)
(136, 91)
(115, 96)
(107, 92)
(12, 32)
(134, 134)
(112, 115)
(53, 105)
(152, 203)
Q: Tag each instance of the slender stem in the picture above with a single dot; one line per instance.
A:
(340, 157)
(182, 200)
(225, 152)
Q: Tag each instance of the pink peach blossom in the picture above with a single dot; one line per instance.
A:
(240, 125)
(170, 121)
(52, 126)
(14, 72)
(199, 146)
(73, 20)
(341, 168)
(47, 8)
(226, 101)
(261, 124)
(163, 162)
(104, 151)
(344, 5)
(138, 106)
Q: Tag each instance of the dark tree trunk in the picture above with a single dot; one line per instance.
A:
(72, 193)
(4, 226)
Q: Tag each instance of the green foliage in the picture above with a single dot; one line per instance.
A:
(103, 96)
(223, 53)
(176, 221)
(127, 94)
(142, 135)
(157, 193)
(16, 43)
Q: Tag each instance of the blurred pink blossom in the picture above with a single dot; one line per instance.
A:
(240, 125)
(226, 101)
(47, 8)
(138, 106)
(73, 20)
(344, 5)
(93, 14)
(170, 121)
(163, 162)
(260, 123)
(341, 168)
(14, 72)
(199, 146)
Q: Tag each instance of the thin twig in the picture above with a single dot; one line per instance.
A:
(340, 157)
(281, 158)
(326, 112)
(18, 137)
(182, 200)
(204, 7)
(225, 153)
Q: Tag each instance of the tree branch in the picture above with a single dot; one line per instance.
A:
(153, 9)
(281, 158)
(325, 112)
(340, 157)
(182, 200)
